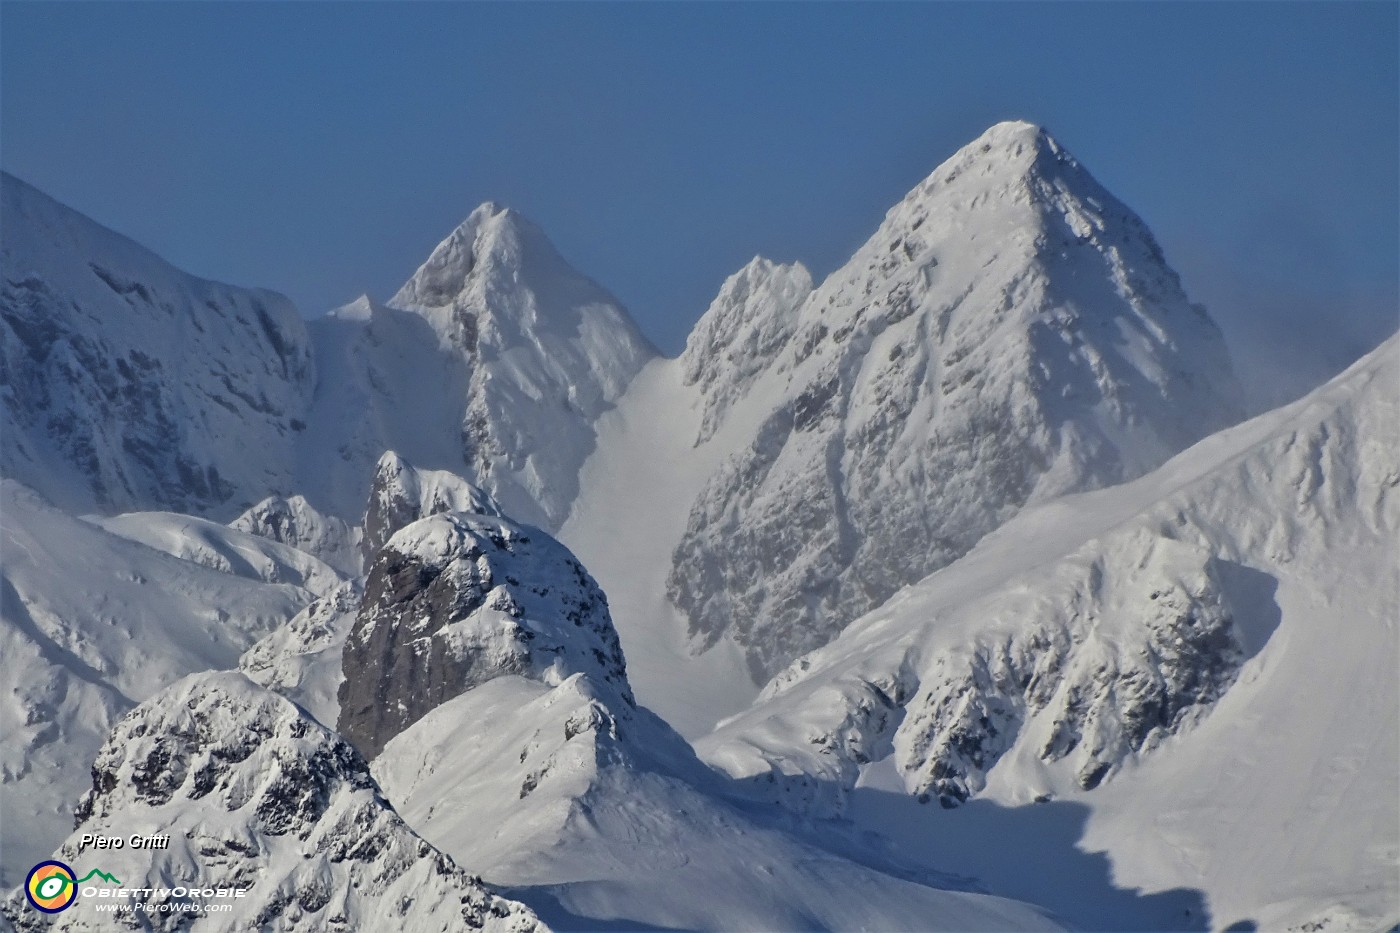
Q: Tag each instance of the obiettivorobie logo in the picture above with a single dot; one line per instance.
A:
(52, 886)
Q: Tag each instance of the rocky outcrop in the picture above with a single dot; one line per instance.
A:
(1143, 645)
(401, 494)
(740, 334)
(455, 600)
(292, 521)
(1084, 634)
(254, 795)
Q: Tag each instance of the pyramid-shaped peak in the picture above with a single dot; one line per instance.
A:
(1013, 164)
(492, 235)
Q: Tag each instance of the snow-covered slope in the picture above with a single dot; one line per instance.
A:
(255, 795)
(302, 659)
(128, 384)
(90, 624)
(224, 548)
(292, 521)
(598, 816)
(492, 361)
(635, 495)
(1215, 643)
(1010, 333)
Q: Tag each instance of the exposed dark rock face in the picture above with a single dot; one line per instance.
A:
(455, 600)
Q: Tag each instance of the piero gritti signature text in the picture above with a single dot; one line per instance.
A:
(134, 841)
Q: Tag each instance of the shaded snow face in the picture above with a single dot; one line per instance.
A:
(254, 794)
(131, 385)
(1010, 333)
(456, 600)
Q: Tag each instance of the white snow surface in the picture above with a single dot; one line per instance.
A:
(224, 548)
(599, 817)
(1278, 802)
(636, 493)
(254, 794)
(301, 660)
(92, 624)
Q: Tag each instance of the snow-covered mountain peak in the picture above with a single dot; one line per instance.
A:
(1011, 332)
(748, 299)
(401, 494)
(504, 354)
(361, 309)
(495, 250)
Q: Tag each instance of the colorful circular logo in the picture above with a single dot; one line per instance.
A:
(51, 887)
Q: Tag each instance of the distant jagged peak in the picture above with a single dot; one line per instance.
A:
(401, 493)
(761, 290)
(738, 336)
(497, 249)
(761, 277)
(361, 309)
(1011, 332)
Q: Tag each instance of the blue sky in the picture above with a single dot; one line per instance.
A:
(323, 149)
